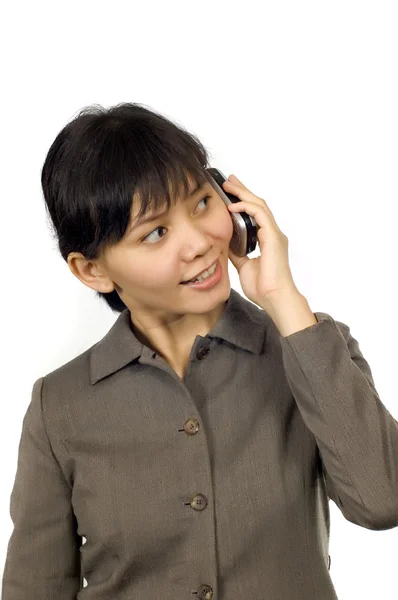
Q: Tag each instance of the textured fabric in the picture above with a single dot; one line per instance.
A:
(119, 493)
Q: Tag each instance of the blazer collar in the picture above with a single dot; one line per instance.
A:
(242, 324)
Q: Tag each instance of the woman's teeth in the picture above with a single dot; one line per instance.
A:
(204, 275)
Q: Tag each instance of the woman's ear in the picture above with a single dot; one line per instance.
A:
(90, 272)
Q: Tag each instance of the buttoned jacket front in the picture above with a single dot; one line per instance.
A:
(133, 483)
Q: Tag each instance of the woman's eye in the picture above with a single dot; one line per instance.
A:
(157, 228)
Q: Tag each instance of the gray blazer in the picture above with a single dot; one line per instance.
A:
(214, 487)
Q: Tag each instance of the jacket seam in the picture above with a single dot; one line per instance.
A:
(306, 522)
(45, 425)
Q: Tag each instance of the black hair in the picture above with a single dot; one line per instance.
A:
(100, 160)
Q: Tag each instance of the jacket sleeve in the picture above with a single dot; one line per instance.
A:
(43, 554)
(356, 435)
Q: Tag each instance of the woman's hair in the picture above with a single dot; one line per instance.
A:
(100, 160)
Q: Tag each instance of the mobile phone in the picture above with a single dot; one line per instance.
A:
(244, 237)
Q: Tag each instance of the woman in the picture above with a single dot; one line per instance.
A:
(191, 452)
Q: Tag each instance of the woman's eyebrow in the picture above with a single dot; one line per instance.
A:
(148, 218)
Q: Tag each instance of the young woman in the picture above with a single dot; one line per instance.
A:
(191, 452)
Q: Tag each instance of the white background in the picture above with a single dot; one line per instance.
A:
(298, 99)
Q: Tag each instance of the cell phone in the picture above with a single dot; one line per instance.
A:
(244, 237)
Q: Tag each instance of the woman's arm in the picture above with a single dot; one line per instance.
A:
(43, 555)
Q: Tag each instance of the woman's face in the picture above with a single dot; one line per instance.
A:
(152, 259)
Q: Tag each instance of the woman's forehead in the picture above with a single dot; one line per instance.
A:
(194, 185)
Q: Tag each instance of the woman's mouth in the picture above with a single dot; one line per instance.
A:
(211, 280)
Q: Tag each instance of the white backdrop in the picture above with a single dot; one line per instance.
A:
(298, 99)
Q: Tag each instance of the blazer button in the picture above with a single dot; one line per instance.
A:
(205, 592)
(202, 352)
(199, 502)
(191, 426)
(330, 560)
